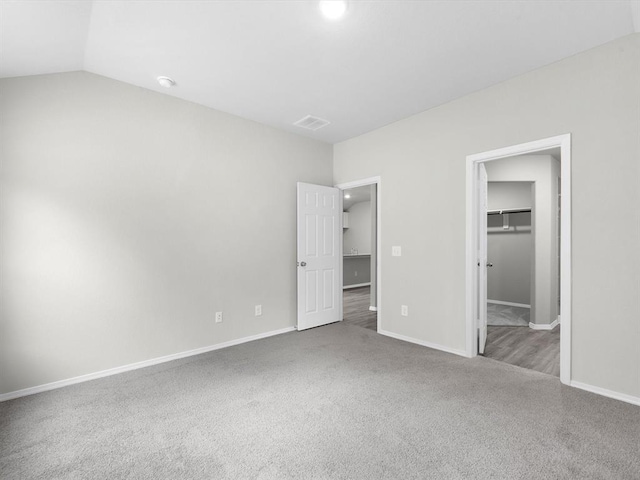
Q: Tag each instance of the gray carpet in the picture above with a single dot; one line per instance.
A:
(507, 316)
(334, 402)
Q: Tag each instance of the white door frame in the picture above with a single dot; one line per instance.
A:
(564, 142)
(361, 183)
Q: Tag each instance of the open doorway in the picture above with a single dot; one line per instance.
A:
(519, 254)
(360, 259)
(522, 269)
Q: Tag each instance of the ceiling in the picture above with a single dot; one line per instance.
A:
(356, 195)
(277, 61)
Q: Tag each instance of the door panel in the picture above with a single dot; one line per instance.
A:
(318, 255)
(482, 257)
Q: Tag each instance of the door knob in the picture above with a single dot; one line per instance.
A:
(303, 264)
(489, 264)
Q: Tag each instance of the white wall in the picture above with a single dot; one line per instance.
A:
(507, 194)
(358, 235)
(511, 250)
(129, 217)
(595, 96)
(543, 171)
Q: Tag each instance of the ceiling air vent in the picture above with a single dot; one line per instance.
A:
(311, 123)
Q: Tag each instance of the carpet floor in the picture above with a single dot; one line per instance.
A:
(335, 402)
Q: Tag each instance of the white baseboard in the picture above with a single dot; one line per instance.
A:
(346, 287)
(544, 326)
(373, 309)
(607, 393)
(509, 304)
(435, 346)
(134, 366)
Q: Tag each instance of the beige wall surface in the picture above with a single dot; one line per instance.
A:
(510, 251)
(358, 235)
(594, 96)
(128, 218)
(507, 194)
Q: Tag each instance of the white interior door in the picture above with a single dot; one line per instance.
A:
(319, 256)
(482, 257)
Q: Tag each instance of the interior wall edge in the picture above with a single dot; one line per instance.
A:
(623, 397)
(424, 343)
(136, 366)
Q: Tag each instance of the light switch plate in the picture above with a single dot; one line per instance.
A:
(396, 251)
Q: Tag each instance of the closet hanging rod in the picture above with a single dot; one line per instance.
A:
(508, 210)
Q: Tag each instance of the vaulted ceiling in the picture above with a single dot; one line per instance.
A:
(277, 61)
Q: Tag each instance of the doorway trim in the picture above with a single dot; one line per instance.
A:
(472, 225)
(362, 183)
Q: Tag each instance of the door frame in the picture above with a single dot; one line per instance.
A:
(362, 183)
(472, 225)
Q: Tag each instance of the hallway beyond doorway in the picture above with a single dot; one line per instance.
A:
(537, 350)
(356, 308)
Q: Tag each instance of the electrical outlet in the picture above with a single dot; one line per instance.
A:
(218, 317)
(356, 273)
(396, 251)
(404, 310)
(258, 310)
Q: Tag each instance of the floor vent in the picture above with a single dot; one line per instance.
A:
(311, 123)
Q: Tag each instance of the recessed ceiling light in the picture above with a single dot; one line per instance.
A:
(346, 195)
(333, 9)
(166, 82)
